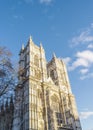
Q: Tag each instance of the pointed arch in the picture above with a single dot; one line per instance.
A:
(55, 103)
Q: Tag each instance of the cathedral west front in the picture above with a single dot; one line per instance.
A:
(43, 96)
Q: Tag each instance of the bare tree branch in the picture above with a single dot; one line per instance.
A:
(7, 73)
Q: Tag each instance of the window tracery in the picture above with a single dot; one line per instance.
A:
(55, 103)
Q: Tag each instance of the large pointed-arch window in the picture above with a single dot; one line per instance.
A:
(55, 107)
(55, 103)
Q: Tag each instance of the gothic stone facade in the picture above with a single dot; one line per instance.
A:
(44, 100)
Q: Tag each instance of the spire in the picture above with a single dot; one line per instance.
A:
(41, 45)
(22, 46)
(30, 39)
(54, 56)
(22, 49)
(62, 61)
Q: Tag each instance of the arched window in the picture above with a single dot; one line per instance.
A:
(55, 103)
(55, 107)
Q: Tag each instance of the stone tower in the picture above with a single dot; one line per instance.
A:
(43, 97)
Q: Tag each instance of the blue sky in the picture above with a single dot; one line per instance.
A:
(64, 27)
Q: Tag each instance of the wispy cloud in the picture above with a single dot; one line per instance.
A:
(45, 1)
(84, 71)
(67, 61)
(83, 60)
(85, 37)
(40, 1)
(18, 17)
(90, 46)
(85, 115)
(90, 129)
(89, 75)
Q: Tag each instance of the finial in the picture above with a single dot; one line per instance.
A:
(54, 56)
(30, 39)
(63, 62)
(23, 47)
(41, 45)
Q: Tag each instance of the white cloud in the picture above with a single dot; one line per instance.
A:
(90, 46)
(90, 129)
(67, 60)
(84, 37)
(91, 25)
(85, 115)
(79, 62)
(86, 55)
(84, 71)
(83, 59)
(89, 75)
